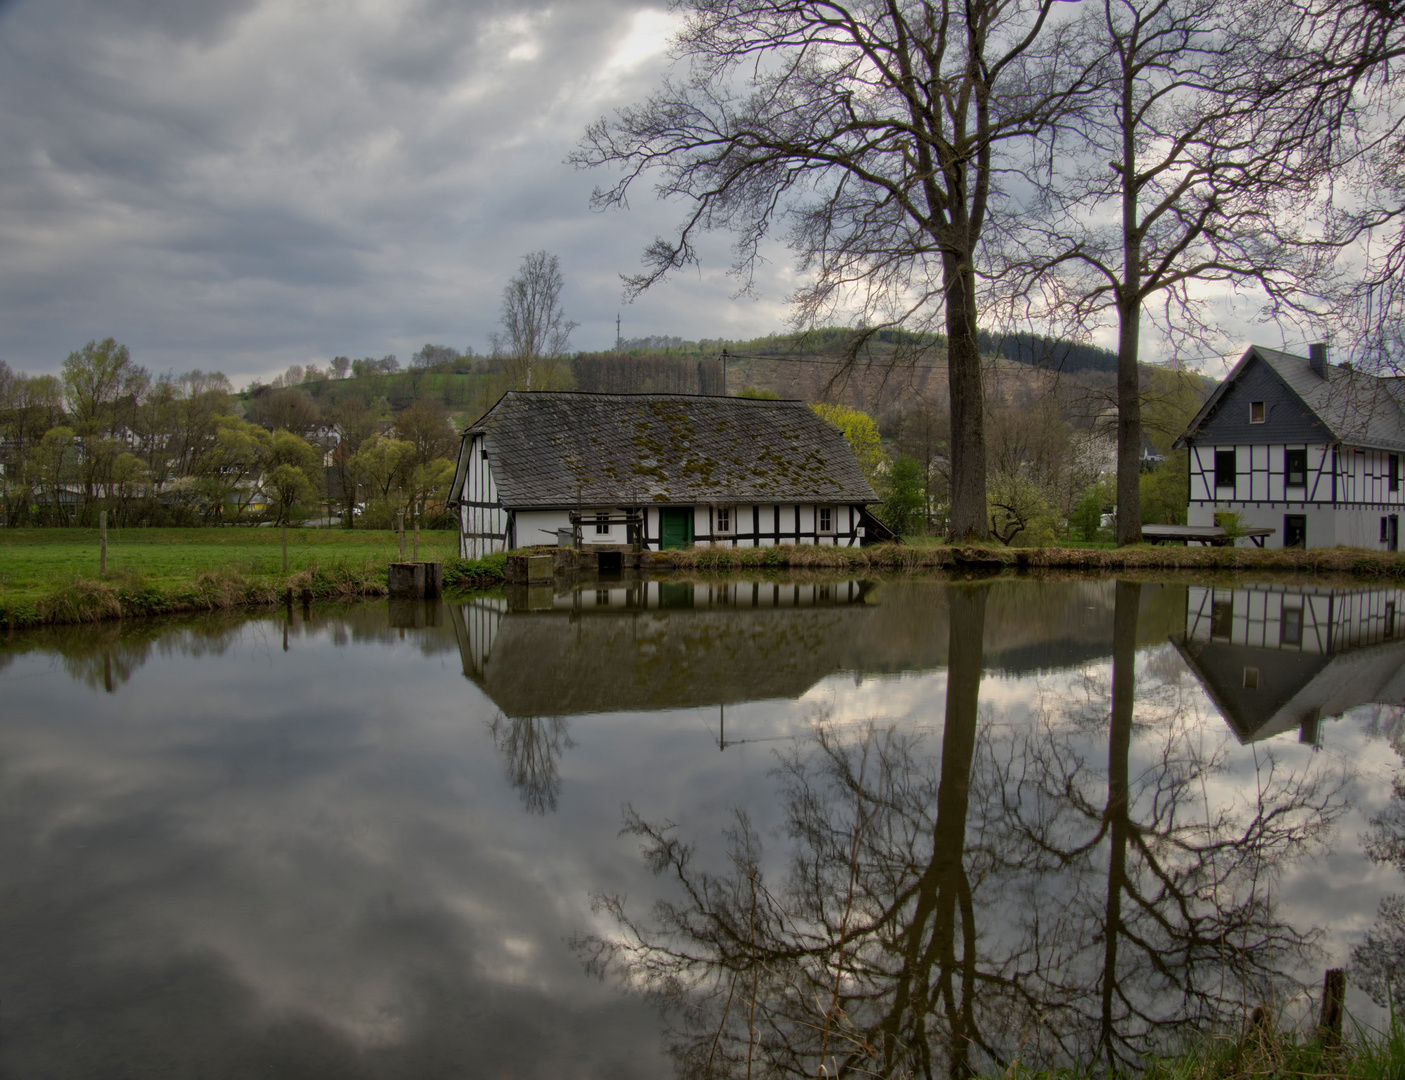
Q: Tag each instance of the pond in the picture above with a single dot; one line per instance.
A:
(887, 825)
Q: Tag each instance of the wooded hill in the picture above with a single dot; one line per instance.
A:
(876, 375)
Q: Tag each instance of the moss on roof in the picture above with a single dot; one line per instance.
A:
(554, 449)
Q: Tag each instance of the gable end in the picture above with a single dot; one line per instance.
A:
(1287, 418)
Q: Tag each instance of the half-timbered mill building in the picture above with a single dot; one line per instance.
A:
(656, 471)
(1306, 448)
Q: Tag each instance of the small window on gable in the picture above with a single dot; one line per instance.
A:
(1251, 678)
(1257, 412)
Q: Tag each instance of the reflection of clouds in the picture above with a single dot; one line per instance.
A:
(314, 854)
(338, 856)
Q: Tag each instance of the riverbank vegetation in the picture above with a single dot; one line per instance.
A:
(52, 575)
(1371, 1055)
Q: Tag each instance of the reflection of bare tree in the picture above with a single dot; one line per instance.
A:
(1166, 910)
(1378, 963)
(1114, 905)
(531, 748)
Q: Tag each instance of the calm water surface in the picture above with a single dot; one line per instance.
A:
(897, 826)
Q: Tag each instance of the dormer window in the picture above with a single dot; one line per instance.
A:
(1257, 412)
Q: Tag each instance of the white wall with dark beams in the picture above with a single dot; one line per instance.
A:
(486, 526)
(1347, 496)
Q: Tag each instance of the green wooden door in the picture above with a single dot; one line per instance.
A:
(676, 528)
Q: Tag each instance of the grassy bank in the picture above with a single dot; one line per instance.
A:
(1270, 1055)
(904, 557)
(51, 575)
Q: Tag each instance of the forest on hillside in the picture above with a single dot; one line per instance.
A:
(363, 440)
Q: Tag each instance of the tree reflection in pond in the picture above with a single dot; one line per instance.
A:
(1076, 890)
(1378, 963)
(531, 747)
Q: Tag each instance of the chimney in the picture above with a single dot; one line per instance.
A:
(1317, 359)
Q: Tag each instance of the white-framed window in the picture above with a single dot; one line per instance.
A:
(602, 525)
(826, 518)
(722, 520)
(1257, 413)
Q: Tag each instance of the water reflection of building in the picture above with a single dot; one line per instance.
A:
(1278, 657)
(655, 645)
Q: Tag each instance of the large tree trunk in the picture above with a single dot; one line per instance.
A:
(1129, 425)
(1129, 325)
(969, 519)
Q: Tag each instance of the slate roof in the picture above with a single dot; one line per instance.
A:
(571, 449)
(1356, 408)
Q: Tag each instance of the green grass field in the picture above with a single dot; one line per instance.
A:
(35, 561)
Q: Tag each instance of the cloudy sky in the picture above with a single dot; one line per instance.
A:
(245, 184)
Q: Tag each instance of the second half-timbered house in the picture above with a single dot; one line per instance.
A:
(655, 471)
(1309, 449)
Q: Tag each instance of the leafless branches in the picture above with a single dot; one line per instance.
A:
(873, 136)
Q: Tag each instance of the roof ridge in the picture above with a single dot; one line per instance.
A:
(730, 398)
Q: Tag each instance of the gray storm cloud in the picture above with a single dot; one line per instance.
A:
(242, 185)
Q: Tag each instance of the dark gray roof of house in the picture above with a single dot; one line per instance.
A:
(1357, 408)
(570, 449)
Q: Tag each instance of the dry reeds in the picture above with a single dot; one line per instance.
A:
(80, 601)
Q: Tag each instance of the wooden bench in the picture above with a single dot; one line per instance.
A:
(1212, 535)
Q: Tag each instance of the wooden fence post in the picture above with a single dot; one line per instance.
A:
(102, 541)
(400, 525)
(283, 529)
(1329, 1030)
(415, 557)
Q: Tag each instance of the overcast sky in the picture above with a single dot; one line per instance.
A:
(245, 184)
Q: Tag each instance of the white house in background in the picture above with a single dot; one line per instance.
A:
(657, 470)
(1310, 450)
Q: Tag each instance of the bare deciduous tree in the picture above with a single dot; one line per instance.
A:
(536, 332)
(877, 131)
(1353, 48)
(1193, 164)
